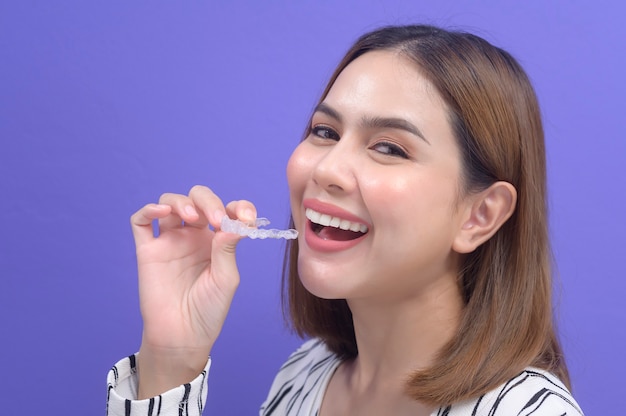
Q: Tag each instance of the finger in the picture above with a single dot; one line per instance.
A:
(208, 205)
(141, 221)
(243, 210)
(172, 221)
(183, 212)
(223, 261)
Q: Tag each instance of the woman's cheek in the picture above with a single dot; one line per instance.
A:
(298, 167)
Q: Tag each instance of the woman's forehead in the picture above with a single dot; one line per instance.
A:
(386, 84)
(385, 79)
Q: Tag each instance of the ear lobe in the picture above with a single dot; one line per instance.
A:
(489, 210)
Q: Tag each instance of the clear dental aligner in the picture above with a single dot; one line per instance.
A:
(237, 227)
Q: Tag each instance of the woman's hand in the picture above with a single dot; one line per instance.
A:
(187, 280)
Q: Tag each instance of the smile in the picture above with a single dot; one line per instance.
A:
(329, 227)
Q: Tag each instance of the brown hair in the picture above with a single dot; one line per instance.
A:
(507, 322)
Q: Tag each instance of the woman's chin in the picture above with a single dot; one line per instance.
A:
(322, 284)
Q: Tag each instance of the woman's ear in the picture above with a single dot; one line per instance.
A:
(489, 209)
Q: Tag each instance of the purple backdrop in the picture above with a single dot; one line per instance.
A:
(105, 105)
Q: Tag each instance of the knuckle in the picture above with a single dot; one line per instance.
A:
(197, 189)
(136, 216)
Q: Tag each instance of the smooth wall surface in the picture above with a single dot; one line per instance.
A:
(106, 105)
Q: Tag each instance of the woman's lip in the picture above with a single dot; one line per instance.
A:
(319, 244)
(332, 210)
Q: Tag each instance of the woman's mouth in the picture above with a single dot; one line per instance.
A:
(328, 227)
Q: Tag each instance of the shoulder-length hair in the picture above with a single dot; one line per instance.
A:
(507, 323)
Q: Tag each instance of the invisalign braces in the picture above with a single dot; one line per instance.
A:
(238, 227)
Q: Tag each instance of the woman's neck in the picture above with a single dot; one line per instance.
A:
(396, 337)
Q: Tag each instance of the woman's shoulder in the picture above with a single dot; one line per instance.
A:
(309, 361)
(533, 392)
(311, 352)
(301, 381)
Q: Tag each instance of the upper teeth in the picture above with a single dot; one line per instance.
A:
(330, 221)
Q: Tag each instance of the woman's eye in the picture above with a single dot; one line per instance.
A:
(325, 132)
(390, 149)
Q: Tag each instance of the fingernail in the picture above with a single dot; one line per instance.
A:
(189, 210)
(248, 215)
(218, 215)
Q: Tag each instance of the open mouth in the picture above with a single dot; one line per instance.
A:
(328, 227)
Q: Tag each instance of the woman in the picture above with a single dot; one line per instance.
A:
(422, 269)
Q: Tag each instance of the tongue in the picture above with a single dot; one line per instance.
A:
(332, 233)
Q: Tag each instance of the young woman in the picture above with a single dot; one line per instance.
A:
(422, 269)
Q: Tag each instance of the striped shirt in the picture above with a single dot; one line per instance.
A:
(299, 388)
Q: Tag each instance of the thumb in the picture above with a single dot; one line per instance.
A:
(223, 262)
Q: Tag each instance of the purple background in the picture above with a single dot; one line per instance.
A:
(105, 105)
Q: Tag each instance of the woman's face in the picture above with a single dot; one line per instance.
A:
(374, 187)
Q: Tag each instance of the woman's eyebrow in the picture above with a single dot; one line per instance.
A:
(328, 110)
(392, 123)
(375, 122)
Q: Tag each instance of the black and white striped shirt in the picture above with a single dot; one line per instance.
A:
(299, 387)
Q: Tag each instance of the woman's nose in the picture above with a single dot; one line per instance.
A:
(334, 171)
